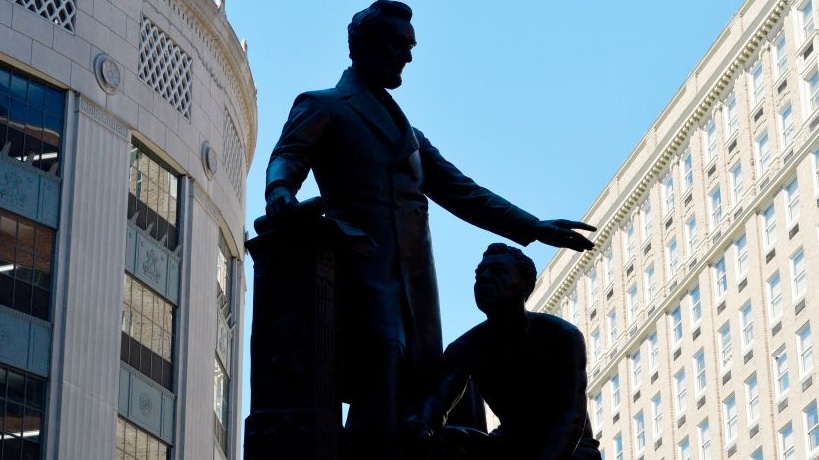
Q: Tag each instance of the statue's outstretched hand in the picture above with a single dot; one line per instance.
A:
(280, 201)
(560, 233)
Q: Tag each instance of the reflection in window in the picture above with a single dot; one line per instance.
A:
(133, 443)
(153, 197)
(25, 265)
(31, 119)
(221, 405)
(147, 332)
(22, 401)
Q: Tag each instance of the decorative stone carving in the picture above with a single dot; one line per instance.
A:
(107, 72)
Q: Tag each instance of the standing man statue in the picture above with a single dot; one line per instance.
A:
(375, 172)
(511, 351)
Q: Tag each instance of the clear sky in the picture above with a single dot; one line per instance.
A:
(539, 101)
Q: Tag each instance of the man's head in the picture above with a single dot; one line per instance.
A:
(503, 280)
(381, 39)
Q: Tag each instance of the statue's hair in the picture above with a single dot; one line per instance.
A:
(363, 22)
(525, 265)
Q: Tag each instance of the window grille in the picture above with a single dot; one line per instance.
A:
(60, 12)
(165, 67)
(233, 153)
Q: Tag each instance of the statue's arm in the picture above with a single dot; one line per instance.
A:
(290, 160)
(463, 197)
(459, 194)
(445, 392)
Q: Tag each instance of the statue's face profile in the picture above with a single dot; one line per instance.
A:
(386, 52)
(498, 285)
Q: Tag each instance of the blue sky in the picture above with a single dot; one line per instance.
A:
(539, 101)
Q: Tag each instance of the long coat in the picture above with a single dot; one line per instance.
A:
(377, 176)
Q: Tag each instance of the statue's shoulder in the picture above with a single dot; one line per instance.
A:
(552, 322)
(323, 95)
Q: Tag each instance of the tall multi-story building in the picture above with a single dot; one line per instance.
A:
(696, 301)
(126, 131)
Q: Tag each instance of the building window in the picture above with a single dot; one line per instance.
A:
(781, 372)
(672, 255)
(608, 266)
(680, 399)
(757, 84)
(687, 168)
(729, 407)
(597, 349)
(711, 141)
(654, 352)
(756, 455)
(786, 443)
(774, 292)
(645, 218)
(639, 432)
(691, 236)
(632, 304)
(737, 187)
(720, 278)
(764, 156)
(597, 403)
(715, 208)
(769, 226)
(31, 128)
(614, 385)
(668, 194)
(147, 332)
(704, 435)
(746, 321)
(812, 90)
(628, 241)
(612, 325)
(684, 449)
(650, 282)
(812, 427)
(752, 398)
(815, 164)
(798, 277)
(675, 320)
(780, 50)
(221, 382)
(22, 402)
(805, 349)
(636, 370)
(572, 304)
(26, 250)
(221, 404)
(786, 129)
(593, 288)
(134, 443)
(731, 118)
(792, 202)
(695, 306)
(618, 447)
(806, 19)
(726, 349)
(153, 197)
(700, 382)
(741, 254)
(656, 416)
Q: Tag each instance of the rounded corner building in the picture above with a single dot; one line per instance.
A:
(126, 133)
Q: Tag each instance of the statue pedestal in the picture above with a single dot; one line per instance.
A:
(295, 408)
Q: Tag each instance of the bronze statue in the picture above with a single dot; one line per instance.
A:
(375, 171)
(507, 357)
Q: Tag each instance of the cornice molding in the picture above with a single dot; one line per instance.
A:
(671, 148)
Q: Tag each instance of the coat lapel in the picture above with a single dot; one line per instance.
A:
(366, 105)
(363, 102)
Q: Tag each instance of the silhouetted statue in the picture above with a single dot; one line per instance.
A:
(375, 172)
(529, 367)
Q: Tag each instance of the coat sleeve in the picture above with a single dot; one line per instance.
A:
(454, 191)
(300, 138)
